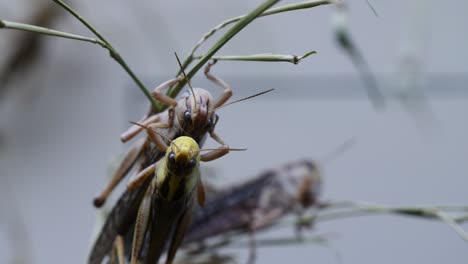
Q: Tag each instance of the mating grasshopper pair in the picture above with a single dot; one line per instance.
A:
(162, 203)
(194, 118)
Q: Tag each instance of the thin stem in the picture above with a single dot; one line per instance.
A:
(345, 209)
(81, 19)
(266, 57)
(461, 219)
(272, 11)
(244, 21)
(281, 241)
(46, 31)
(112, 51)
(453, 224)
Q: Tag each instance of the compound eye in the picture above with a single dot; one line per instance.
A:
(172, 157)
(209, 123)
(192, 162)
(187, 116)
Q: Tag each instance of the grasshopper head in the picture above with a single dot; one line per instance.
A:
(182, 155)
(180, 175)
(309, 180)
(194, 111)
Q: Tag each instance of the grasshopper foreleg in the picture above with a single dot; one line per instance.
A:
(141, 177)
(215, 154)
(215, 136)
(159, 95)
(156, 137)
(153, 134)
(227, 93)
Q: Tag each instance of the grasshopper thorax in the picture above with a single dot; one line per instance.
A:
(195, 112)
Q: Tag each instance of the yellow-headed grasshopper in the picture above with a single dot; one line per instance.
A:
(252, 205)
(159, 206)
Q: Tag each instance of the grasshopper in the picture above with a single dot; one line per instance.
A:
(259, 202)
(255, 204)
(157, 205)
(194, 118)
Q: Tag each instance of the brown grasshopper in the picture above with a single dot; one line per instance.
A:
(194, 118)
(259, 202)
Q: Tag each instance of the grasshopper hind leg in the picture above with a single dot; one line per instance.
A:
(129, 160)
(215, 136)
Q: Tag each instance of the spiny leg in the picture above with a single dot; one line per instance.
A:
(227, 93)
(130, 157)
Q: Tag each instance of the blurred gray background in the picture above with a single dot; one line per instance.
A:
(60, 119)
